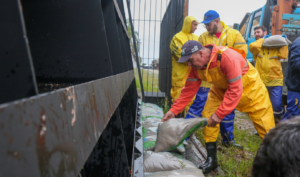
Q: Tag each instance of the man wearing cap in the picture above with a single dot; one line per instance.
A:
(179, 69)
(220, 34)
(235, 84)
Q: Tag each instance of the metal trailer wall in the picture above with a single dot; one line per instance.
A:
(171, 24)
(68, 99)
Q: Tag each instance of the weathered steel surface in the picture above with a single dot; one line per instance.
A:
(52, 134)
(112, 155)
(108, 157)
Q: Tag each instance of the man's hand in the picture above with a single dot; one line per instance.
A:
(214, 120)
(167, 116)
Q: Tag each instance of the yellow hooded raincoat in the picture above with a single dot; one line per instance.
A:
(179, 69)
(267, 62)
(229, 37)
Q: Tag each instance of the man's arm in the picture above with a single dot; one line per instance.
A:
(255, 47)
(283, 52)
(240, 43)
(175, 47)
(187, 93)
(231, 67)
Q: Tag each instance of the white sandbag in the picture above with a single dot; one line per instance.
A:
(276, 41)
(151, 110)
(153, 106)
(151, 113)
(149, 143)
(195, 151)
(172, 133)
(164, 161)
(150, 131)
(175, 173)
(150, 122)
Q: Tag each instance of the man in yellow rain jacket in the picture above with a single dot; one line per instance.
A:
(269, 68)
(235, 84)
(179, 69)
(220, 34)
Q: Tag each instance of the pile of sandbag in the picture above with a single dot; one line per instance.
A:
(163, 143)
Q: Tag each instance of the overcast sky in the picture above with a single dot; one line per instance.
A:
(230, 11)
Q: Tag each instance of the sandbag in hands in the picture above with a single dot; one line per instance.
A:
(172, 133)
(275, 41)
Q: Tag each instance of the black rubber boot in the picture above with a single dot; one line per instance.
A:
(231, 144)
(277, 119)
(211, 162)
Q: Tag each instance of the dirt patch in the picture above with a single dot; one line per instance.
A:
(243, 122)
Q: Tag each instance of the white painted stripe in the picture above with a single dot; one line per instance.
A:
(227, 121)
(193, 80)
(193, 115)
(235, 79)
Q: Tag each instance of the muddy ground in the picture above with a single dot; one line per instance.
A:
(243, 122)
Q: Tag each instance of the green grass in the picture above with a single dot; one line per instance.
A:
(236, 162)
(147, 75)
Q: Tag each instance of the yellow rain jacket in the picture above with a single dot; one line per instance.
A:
(229, 37)
(179, 69)
(267, 62)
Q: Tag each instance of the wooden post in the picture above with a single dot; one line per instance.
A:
(283, 7)
(186, 8)
(275, 20)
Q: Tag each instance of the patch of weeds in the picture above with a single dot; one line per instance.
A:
(233, 161)
(164, 104)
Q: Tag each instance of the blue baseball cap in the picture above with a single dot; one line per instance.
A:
(188, 49)
(209, 16)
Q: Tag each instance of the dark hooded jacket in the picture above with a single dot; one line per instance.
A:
(293, 70)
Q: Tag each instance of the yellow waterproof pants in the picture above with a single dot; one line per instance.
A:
(175, 92)
(255, 101)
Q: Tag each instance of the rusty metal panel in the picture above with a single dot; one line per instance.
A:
(52, 134)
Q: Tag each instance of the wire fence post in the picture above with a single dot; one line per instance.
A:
(135, 49)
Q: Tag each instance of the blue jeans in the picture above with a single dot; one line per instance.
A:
(275, 94)
(293, 105)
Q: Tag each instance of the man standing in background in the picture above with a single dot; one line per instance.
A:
(179, 70)
(268, 65)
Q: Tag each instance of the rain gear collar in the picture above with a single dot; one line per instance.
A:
(225, 28)
(187, 24)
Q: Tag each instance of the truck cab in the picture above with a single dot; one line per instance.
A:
(250, 21)
(264, 16)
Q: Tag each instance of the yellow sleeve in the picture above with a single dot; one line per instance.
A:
(283, 52)
(240, 43)
(175, 47)
(255, 47)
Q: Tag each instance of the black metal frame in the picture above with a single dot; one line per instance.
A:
(171, 24)
(77, 54)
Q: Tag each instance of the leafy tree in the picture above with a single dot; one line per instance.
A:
(136, 34)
